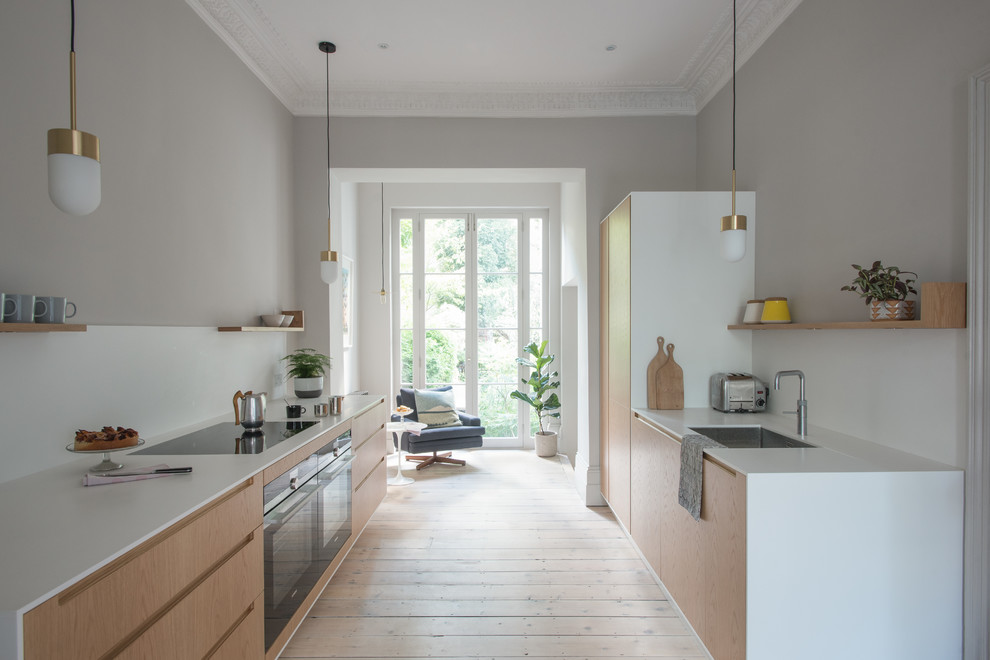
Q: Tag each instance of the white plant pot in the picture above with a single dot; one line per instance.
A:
(546, 443)
(308, 388)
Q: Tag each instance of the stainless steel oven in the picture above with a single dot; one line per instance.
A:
(307, 521)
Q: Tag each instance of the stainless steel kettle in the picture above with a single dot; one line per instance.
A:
(251, 413)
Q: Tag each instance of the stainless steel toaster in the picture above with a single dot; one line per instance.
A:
(735, 392)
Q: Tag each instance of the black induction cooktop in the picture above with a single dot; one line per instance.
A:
(228, 438)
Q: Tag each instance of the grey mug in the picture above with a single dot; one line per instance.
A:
(57, 310)
(22, 308)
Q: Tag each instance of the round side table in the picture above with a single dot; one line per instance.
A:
(397, 429)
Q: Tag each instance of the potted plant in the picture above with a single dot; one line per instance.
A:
(541, 383)
(307, 368)
(885, 289)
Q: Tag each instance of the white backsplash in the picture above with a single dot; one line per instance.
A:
(153, 379)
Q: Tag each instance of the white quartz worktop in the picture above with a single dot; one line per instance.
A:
(56, 531)
(833, 451)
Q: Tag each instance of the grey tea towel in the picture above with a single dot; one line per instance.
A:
(692, 468)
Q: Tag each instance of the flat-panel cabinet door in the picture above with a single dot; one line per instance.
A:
(647, 490)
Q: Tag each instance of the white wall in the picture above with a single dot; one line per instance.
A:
(683, 291)
(852, 130)
(194, 228)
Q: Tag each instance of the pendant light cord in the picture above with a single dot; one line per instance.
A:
(72, 37)
(733, 85)
(328, 134)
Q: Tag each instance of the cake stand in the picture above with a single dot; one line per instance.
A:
(107, 465)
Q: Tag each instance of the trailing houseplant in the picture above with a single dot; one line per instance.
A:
(307, 367)
(885, 289)
(541, 383)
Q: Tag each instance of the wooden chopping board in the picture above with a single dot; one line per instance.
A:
(652, 377)
(670, 394)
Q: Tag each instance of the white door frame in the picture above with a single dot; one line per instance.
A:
(976, 597)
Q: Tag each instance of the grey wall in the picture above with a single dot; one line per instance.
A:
(194, 228)
(852, 130)
(617, 154)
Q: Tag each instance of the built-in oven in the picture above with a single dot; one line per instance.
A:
(307, 522)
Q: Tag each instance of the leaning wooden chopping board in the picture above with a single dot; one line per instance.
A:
(653, 377)
(670, 395)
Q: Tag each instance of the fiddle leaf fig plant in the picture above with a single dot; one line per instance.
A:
(541, 383)
(307, 363)
(879, 282)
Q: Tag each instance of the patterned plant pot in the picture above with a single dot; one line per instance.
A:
(892, 310)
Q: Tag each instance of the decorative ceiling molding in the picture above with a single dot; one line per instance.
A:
(711, 67)
(245, 28)
(457, 100)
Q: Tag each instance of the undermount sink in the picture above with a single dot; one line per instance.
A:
(749, 437)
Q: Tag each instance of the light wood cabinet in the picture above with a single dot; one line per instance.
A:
(701, 563)
(616, 402)
(178, 595)
(369, 442)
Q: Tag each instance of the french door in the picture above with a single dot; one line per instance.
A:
(472, 293)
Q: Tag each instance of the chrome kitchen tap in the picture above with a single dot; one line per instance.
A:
(802, 403)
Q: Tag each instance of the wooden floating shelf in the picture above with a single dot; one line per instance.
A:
(943, 305)
(42, 327)
(297, 325)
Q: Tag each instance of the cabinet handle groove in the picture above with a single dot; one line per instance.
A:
(175, 600)
(363, 481)
(230, 631)
(133, 554)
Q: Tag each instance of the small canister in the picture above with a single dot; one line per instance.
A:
(321, 409)
(775, 310)
(336, 401)
(754, 311)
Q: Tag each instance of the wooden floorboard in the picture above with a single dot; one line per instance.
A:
(499, 559)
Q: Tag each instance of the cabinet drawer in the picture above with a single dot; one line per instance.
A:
(90, 617)
(247, 639)
(204, 616)
(368, 494)
(367, 456)
(363, 426)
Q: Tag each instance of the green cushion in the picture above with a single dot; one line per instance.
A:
(436, 408)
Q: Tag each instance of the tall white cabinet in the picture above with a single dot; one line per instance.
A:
(661, 275)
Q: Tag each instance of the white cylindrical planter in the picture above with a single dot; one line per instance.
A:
(546, 443)
(308, 388)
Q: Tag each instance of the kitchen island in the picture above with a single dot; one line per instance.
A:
(59, 533)
(845, 549)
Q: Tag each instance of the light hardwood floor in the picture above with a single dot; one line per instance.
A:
(498, 559)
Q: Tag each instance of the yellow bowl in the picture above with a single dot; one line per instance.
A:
(775, 310)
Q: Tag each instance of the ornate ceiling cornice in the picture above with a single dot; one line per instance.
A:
(245, 28)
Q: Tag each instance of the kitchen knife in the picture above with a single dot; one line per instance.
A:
(177, 470)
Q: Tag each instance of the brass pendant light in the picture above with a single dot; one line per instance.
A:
(73, 156)
(329, 265)
(732, 239)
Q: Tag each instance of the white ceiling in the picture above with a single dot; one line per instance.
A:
(493, 58)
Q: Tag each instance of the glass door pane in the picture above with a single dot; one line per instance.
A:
(406, 298)
(445, 298)
(498, 324)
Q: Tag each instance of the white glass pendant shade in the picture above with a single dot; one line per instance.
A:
(732, 244)
(329, 270)
(74, 183)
